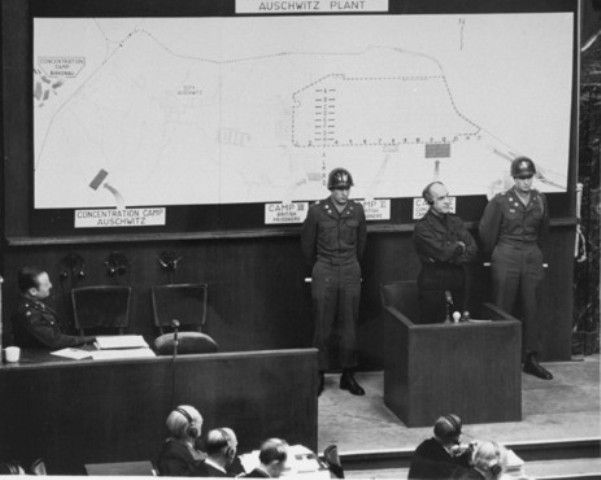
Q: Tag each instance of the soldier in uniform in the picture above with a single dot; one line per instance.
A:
(444, 247)
(512, 228)
(333, 240)
(35, 324)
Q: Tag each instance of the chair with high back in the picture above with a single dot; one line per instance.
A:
(101, 307)
(185, 302)
(401, 295)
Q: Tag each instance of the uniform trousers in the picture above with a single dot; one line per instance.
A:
(336, 291)
(517, 272)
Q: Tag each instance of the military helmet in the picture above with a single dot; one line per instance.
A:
(340, 178)
(522, 167)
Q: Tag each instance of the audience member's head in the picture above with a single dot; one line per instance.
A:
(273, 456)
(185, 423)
(34, 282)
(447, 429)
(488, 458)
(221, 446)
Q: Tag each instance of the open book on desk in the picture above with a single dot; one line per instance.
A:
(111, 342)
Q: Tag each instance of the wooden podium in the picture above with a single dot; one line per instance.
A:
(472, 369)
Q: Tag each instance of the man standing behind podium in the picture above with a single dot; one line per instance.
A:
(444, 246)
(333, 240)
(35, 324)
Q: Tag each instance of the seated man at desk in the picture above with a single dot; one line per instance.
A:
(442, 455)
(444, 246)
(179, 456)
(273, 456)
(221, 446)
(35, 324)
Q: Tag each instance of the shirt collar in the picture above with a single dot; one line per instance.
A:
(210, 461)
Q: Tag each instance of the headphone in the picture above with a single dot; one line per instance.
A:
(426, 192)
(191, 429)
(229, 450)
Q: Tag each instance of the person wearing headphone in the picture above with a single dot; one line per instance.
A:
(221, 445)
(488, 460)
(440, 456)
(444, 247)
(179, 456)
(273, 456)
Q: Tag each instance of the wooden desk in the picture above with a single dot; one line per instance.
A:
(471, 369)
(77, 412)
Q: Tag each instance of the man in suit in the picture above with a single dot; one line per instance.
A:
(333, 240)
(440, 456)
(179, 456)
(444, 247)
(273, 456)
(221, 446)
(35, 324)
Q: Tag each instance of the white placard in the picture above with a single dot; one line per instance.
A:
(376, 209)
(310, 6)
(420, 207)
(280, 213)
(112, 217)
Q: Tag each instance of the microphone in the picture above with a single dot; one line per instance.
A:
(175, 325)
(448, 297)
(448, 305)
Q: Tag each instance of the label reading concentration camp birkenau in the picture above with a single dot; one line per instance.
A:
(113, 217)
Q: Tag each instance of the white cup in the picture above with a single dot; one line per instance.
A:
(12, 354)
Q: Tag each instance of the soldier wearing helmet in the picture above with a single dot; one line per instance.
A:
(332, 240)
(512, 229)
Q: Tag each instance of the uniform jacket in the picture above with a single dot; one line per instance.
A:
(507, 219)
(436, 239)
(36, 325)
(338, 239)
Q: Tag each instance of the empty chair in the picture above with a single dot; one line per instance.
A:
(186, 302)
(101, 307)
(145, 468)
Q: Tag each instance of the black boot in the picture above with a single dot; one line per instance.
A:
(532, 367)
(348, 382)
(320, 383)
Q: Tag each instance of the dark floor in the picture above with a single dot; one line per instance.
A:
(567, 407)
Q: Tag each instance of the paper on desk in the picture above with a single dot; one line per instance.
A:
(74, 353)
(122, 353)
(105, 342)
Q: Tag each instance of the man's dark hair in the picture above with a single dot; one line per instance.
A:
(28, 278)
(273, 449)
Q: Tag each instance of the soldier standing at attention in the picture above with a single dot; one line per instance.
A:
(512, 228)
(332, 240)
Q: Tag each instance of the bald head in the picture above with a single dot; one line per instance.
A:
(437, 196)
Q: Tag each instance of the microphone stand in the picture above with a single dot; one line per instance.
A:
(448, 306)
(175, 325)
